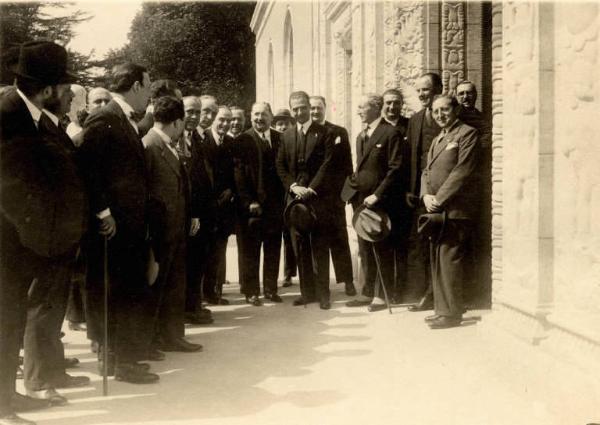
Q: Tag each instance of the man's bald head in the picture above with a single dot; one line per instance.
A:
(97, 98)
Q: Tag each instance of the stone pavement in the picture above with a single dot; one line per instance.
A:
(286, 365)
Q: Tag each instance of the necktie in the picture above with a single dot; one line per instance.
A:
(364, 140)
(265, 140)
(301, 145)
(428, 117)
(220, 140)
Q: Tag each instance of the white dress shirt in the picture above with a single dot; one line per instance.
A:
(127, 109)
(303, 127)
(266, 135)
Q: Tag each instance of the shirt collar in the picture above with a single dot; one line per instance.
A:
(201, 131)
(373, 126)
(394, 123)
(52, 117)
(304, 127)
(35, 112)
(126, 108)
(165, 138)
(267, 133)
(450, 127)
(216, 136)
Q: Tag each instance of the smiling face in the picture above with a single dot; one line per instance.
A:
(261, 117)
(367, 111)
(443, 111)
(426, 91)
(466, 94)
(208, 112)
(317, 110)
(192, 109)
(300, 109)
(222, 122)
(238, 121)
(392, 105)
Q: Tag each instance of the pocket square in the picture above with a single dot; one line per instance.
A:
(338, 140)
(378, 145)
(451, 145)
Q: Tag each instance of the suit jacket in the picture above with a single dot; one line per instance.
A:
(413, 135)
(402, 124)
(169, 193)
(381, 169)
(42, 194)
(256, 174)
(203, 201)
(450, 172)
(341, 162)
(113, 157)
(317, 159)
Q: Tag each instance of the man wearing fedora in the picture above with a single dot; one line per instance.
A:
(261, 200)
(39, 175)
(282, 120)
(378, 183)
(449, 188)
(303, 164)
(341, 168)
(113, 156)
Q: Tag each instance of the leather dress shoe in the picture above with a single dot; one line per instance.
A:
(445, 322)
(71, 362)
(376, 307)
(197, 319)
(69, 381)
(22, 403)
(254, 300)
(324, 305)
(12, 419)
(357, 303)
(303, 301)
(180, 345)
(50, 394)
(154, 355)
(273, 297)
(77, 326)
(431, 318)
(287, 283)
(132, 374)
(424, 304)
(350, 289)
(217, 301)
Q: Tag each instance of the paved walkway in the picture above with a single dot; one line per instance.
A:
(286, 365)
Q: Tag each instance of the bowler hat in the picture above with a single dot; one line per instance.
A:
(300, 215)
(44, 62)
(283, 114)
(371, 224)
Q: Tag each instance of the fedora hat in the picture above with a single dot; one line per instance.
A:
(300, 215)
(371, 224)
(283, 114)
(44, 62)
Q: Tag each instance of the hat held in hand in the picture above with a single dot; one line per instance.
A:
(371, 224)
(300, 215)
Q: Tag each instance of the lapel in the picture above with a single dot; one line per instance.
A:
(132, 136)
(208, 148)
(311, 141)
(420, 117)
(375, 137)
(167, 155)
(439, 147)
(292, 134)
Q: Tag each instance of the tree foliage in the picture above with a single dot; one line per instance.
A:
(21, 22)
(204, 45)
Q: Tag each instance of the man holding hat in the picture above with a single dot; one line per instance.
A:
(377, 184)
(39, 176)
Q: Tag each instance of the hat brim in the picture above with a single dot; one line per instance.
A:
(386, 224)
(66, 78)
(290, 206)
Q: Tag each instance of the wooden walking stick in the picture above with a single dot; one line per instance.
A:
(105, 351)
(380, 278)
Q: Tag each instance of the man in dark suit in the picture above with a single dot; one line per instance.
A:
(422, 128)
(340, 169)
(113, 158)
(218, 149)
(203, 206)
(380, 176)
(303, 163)
(170, 221)
(238, 122)
(38, 175)
(260, 201)
(392, 109)
(448, 187)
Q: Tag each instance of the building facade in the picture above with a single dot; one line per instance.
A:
(536, 65)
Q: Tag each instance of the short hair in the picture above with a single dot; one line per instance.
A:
(395, 92)
(168, 109)
(265, 104)
(374, 100)
(452, 99)
(435, 79)
(223, 107)
(317, 97)
(299, 95)
(124, 75)
(467, 82)
(161, 88)
(207, 97)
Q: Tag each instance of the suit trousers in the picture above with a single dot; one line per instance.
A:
(418, 265)
(44, 360)
(312, 255)
(169, 291)
(289, 258)
(385, 253)
(269, 237)
(339, 246)
(211, 286)
(18, 267)
(130, 296)
(199, 248)
(448, 263)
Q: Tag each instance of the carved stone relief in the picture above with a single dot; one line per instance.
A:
(453, 44)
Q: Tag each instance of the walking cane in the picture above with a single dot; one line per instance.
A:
(301, 276)
(105, 351)
(380, 277)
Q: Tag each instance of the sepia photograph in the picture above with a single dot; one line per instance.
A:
(299, 212)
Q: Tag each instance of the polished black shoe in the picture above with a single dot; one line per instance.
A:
(287, 282)
(303, 301)
(77, 326)
(254, 300)
(69, 381)
(155, 355)
(273, 297)
(71, 362)
(357, 303)
(350, 289)
(324, 305)
(130, 373)
(50, 395)
(376, 307)
(12, 419)
(144, 367)
(431, 318)
(426, 303)
(197, 319)
(21, 403)
(180, 345)
(445, 322)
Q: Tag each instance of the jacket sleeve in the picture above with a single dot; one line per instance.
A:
(395, 158)
(243, 181)
(282, 166)
(463, 170)
(319, 179)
